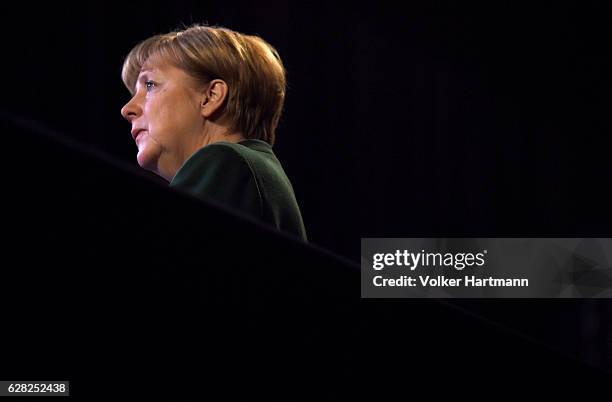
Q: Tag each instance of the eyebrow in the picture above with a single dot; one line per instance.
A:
(142, 75)
(144, 71)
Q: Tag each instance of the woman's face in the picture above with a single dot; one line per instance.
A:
(165, 117)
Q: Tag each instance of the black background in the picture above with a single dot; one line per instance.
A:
(433, 118)
(439, 118)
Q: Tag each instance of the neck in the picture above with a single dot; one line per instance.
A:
(219, 135)
(214, 131)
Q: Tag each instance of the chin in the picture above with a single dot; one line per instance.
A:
(146, 161)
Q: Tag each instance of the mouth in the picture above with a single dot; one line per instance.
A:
(137, 132)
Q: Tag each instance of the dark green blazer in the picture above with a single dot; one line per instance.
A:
(246, 176)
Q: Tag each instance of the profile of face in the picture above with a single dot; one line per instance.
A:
(167, 117)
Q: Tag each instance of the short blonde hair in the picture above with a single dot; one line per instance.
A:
(250, 66)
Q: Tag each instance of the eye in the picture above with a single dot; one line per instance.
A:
(149, 85)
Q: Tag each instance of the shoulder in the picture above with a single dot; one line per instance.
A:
(226, 150)
(217, 161)
(219, 154)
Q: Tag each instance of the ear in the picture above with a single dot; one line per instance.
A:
(213, 97)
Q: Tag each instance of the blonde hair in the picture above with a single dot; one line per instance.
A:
(250, 66)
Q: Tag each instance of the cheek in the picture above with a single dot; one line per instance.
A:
(178, 122)
(171, 119)
(159, 119)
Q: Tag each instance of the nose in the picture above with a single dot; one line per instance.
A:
(131, 110)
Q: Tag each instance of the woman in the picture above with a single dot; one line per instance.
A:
(205, 106)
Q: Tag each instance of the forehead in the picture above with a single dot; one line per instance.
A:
(164, 70)
(158, 67)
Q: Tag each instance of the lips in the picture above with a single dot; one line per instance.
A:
(136, 132)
